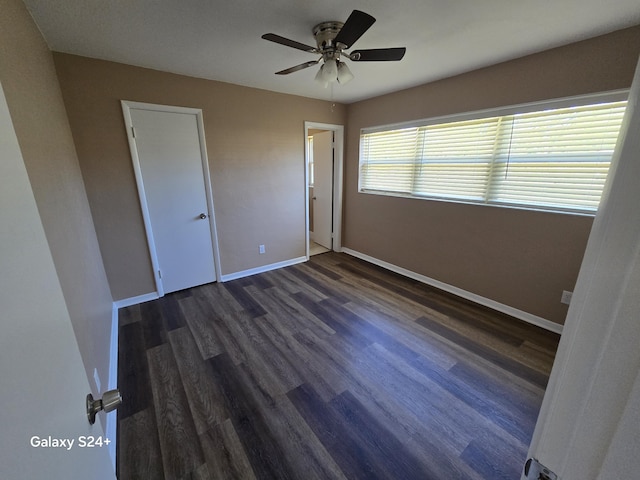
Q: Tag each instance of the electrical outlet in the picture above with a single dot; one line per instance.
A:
(566, 297)
(261, 249)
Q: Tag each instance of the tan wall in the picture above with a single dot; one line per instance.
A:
(519, 258)
(255, 143)
(33, 95)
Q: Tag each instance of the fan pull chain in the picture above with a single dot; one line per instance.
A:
(333, 104)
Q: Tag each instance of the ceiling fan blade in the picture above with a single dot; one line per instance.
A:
(302, 66)
(378, 55)
(272, 37)
(355, 26)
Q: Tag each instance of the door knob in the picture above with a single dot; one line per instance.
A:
(109, 401)
(203, 216)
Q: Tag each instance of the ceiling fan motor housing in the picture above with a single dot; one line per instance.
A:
(324, 33)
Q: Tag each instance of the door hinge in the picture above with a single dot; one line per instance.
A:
(159, 274)
(534, 470)
(133, 131)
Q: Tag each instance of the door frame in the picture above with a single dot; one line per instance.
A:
(338, 165)
(126, 111)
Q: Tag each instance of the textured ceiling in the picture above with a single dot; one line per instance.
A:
(220, 40)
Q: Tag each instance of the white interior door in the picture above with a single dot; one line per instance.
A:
(174, 176)
(323, 188)
(588, 423)
(44, 383)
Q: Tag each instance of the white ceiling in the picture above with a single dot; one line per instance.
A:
(220, 40)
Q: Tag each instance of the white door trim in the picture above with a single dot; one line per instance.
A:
(338, 149)
(126, 111)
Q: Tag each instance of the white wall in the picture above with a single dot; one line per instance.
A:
(43, 381)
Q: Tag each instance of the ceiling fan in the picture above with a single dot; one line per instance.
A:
(332, 39)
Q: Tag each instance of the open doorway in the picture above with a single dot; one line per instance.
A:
(323, 177)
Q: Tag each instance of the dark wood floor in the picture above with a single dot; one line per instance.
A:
(330, 369)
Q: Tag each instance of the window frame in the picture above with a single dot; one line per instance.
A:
(530, 107)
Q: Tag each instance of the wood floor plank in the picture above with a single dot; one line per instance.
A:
(332, 369)
(387, 283)
(291, 284)
(224, 336)
(486, 352)
(541, 359)
(323, 312)
(216, 299)
(289, 313)
(153, 324)
(408, 409)
(408, 333)
(512, 421)
(237, 290)
(310, 277)
(263, 451)
(181, 451)
(364, 290)
(133, 371)
(171, 312)
(276, 374)
(494, 458)
(435, 411)
(199, 323)
(353, 458)
(129, 315)
(324, 271)
(308, 457)
(372, 333)
(140, 460)
(203, 395)
(458, 315)
(435, 449)
(501, 387)
(200, 473)
(299, 358)
(224, 453)
(417, 438)
(454, 407)
(379, 442)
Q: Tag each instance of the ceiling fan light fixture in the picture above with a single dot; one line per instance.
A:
(332, 39)
(330, 70)
(320, 77)
(344, 74)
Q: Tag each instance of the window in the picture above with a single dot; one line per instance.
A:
(310, 157)
(547, 156)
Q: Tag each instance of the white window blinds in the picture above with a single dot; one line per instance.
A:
(555, 159)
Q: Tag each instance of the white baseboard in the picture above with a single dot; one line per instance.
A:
(487, 302)
(265, 268)
(127, 302)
